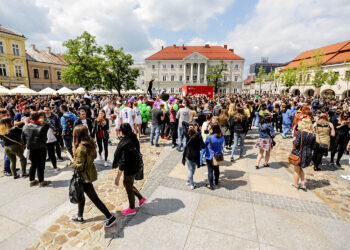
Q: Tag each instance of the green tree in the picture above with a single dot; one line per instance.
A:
(332, 77)
(289, 77)
(215, 75)
(83, 57)
(260, 77)
(347, 78)
(116, 71)
(320, 76)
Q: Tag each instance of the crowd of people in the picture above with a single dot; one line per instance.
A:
(48, 128)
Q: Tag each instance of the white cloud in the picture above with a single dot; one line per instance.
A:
(197, 41)
(283, 29)
(178, 15)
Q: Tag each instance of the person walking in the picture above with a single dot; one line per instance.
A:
(323, 130)
(191, 154)
(303, 146)
(7, 170)
(67, 122)
(101, 133)
(34, 135)
(287, 120)
(138, 119)
(341, 139)
(54, 122)
(213, 145)
(11, 137)
(127, 160)
(173, 122)
(51, 143)
(183, 115)
(83, 162)
(265, 141)
(157, 118)
(83, 119)
(240, 129)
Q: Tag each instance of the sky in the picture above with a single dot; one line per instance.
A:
(277, 29)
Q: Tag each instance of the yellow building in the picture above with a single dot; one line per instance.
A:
(13, 66)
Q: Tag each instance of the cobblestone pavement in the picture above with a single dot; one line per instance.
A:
(64, 234)
(326, 184)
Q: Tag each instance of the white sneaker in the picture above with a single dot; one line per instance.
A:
(188, 184)
(57, 170)
(193, 187)
(101, 158)
(106, 164)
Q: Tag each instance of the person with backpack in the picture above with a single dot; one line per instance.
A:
(240, 128)
(127, 159)
(67, 122)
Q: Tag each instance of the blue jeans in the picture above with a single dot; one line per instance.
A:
(213, 173)
(68, 139)
(235, 142)
(155, 129)
(181, 138)
(6, 160)
(256, 119)
(286, 128)
(202, 155)
(191, 169)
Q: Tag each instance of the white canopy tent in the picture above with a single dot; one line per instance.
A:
(22, 90)
(79, 91)
(100, 92)
(140, 91)
(65, 91)
(4, 91)
(48, 91)
(114, 91)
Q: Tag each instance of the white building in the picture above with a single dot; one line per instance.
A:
(336, 58)
(175, 66)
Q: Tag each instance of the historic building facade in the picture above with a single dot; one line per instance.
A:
(45, 69)
(336, 57)
(175, 66)
(13, 67)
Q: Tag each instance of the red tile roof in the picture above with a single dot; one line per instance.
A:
(180, 52)
(333, 54)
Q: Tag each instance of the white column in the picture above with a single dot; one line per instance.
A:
(191, 75)
(198, 72)
(205, 73)
(184, 77)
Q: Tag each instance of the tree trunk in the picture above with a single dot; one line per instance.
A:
(317, 92)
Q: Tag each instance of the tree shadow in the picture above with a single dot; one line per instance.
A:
(156, 207)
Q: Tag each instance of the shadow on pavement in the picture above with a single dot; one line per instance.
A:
(314, 184)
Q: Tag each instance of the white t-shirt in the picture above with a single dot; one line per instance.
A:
(138, 118)
(108, 111)
(84, 122)
(126, 115)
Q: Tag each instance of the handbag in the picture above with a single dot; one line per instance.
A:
(218, 159)
(76, 190)
(139, 175)
(296, 159)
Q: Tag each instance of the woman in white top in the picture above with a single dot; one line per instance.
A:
(128, 116)
(117, 119)
(50, 145)
(138, 119)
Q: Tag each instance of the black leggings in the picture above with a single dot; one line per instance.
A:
(173, 126)
(51, 153)
(38, 159)
(143, 128)
(131, 190)
(318, 154)
(150, 92)
(101, 141)
(91, 193)
(339, 145)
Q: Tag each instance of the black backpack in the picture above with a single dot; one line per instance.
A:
(69, 125)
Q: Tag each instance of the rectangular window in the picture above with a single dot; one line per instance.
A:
(195, 78)
(308, 78)
(59, 75)
(180, 78)
(236, 78)
(46, 74)
(36, 73)
(172, 90)
(224, 91)
(187, 78)
(3, 70)
(180, 66)
(153, 66)
(172, 78)
(2, 51)
(172, 66)
(164, 78)
(347, 74)
(164, 66)
(18, 70)
(15, 49)
(225, 78)
(180, 90)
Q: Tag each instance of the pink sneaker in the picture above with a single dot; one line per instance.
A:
(129, 211)
(143, 200)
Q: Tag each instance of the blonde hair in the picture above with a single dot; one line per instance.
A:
(231, 110)
(5, 126)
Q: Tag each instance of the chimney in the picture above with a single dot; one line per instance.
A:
(207, 46)
(162, 47)
(232, 50)
(48, 50)
(225, 46)
(32, 46)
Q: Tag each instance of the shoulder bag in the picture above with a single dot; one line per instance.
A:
(218, 159)
(139, 175)
(26, 150)
(76, 190)
(296, 159)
